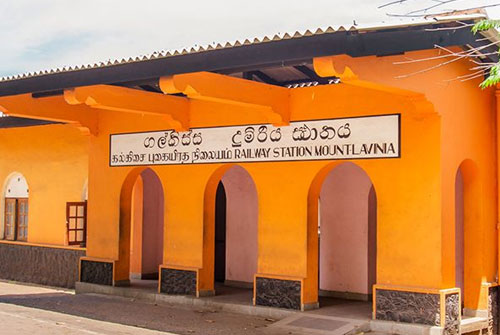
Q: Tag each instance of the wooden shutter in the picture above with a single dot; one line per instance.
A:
(76, 221)
(10, 219)
(22, 219)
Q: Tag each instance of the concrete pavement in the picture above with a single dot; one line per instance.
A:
(39, 310)
(35, 310)
(24, 320)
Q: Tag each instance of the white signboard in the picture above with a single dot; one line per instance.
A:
(346, 138)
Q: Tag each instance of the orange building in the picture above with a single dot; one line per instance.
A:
(43, 173)
(296, 166)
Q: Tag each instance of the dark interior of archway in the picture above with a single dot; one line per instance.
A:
(220, 234)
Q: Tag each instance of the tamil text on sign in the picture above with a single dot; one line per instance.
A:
(345, 138)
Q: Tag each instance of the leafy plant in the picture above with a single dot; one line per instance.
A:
(494, 74)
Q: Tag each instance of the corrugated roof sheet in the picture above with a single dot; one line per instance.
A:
(360, 28)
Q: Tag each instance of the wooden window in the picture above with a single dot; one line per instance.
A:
(10, 219)
(16, 219)
(76, 222)
(22, 219)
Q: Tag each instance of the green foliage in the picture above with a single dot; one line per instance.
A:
(494, 75)
(485, 25)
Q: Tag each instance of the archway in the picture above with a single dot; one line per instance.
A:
(141, 227)
(231, 198)
(15, 208)
(346, 222)
(468, 233)
(146, 246)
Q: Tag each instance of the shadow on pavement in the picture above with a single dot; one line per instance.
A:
(141, 314)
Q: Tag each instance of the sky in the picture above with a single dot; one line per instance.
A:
(41, 35)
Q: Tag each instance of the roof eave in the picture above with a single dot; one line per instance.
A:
(252, 56)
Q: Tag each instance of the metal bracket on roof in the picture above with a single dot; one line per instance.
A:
(270, 100)
(174, 110)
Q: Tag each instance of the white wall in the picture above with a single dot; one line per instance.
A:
(16, 187)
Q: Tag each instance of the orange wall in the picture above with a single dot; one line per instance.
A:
(404, 224)
(54, 161)
(467, 132)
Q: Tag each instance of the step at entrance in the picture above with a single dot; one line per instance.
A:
(473, 324)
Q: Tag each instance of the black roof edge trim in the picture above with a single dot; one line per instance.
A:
(248, 57)
(18, 122)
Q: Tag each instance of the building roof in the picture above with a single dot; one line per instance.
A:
(282, 59)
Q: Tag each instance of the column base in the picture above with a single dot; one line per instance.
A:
(430, 307)
(281, 293)
(177, 281)
(493, 312)
(96, 271)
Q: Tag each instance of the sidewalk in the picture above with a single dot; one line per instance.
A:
(23, 320)
(38, 310)
(35, 310)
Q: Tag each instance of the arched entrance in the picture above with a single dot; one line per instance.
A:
(235, 215)
(347, 224)
(146, 246)
(141, 227)
(467, 234)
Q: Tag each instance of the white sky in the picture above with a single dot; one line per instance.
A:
(38, 35)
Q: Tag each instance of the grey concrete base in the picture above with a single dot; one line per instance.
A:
(141, 294)
(310, 307)
(302, 323)
(482, 313)
(400, 328)
(467, 325)
(474, 324)
(206, 293)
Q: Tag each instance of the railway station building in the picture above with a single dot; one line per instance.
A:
(294, 166)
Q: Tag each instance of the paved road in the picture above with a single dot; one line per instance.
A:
(36, 310)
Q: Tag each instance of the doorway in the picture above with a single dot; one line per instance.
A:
(235, 232)
(147, 217)
(220, 234)
(347, 224)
